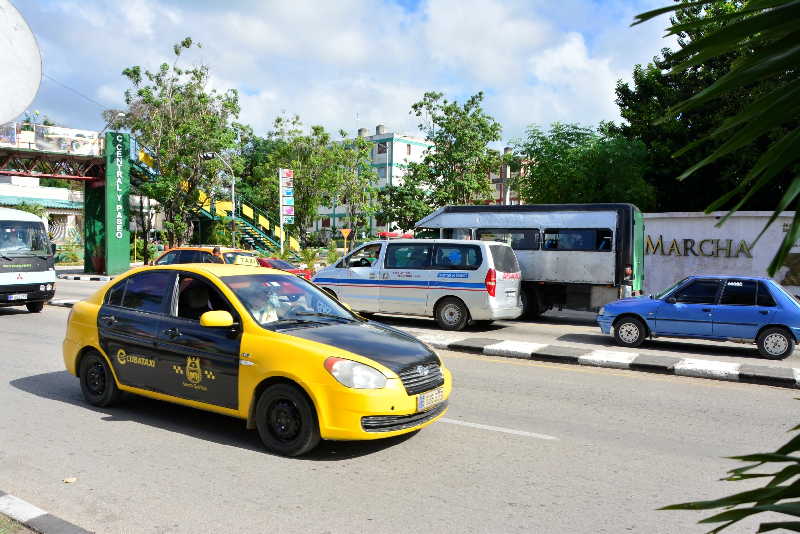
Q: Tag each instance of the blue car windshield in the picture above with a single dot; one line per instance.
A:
(669, 289)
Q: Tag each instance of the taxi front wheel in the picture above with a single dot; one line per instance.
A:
(286, 421)
(451, 314)
(97, 381)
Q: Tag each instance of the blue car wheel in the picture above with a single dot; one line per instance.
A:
(775, 343)
(629, 332)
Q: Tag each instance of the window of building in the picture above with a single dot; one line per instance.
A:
(699, 292)
(382, 148)
(326, 222)
(408, 149)
(586, 239)
(408, 256)
(382, 172)
(518, 238)
(739, 293)
(458, 257)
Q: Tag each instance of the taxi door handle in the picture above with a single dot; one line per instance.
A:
(763, 312)
(172, 333)
(706, 309)
(372, 276)
(109, 320)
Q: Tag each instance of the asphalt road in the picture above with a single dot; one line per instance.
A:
(526, 447)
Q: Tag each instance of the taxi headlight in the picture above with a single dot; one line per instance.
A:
(355, 375)
(49, 287)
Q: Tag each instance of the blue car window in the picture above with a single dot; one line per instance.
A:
(739, 293)
(699, 292)
(764, 296)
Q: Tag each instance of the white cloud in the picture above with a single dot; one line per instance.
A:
(328, 61)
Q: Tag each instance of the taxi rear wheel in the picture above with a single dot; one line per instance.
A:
(286, 421)
(97, 381)
(451, 314)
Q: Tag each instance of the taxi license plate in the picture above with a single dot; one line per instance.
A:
(18, 296)
(430, 399)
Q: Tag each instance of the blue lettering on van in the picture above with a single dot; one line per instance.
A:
(452, 275)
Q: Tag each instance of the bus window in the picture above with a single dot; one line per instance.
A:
(518, 238)
(585, 239)
(456, 233)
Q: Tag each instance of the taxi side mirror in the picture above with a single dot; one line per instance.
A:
(217, 318)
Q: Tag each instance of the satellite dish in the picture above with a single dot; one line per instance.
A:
(20, 63)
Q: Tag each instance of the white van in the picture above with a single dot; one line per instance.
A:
(458, 282)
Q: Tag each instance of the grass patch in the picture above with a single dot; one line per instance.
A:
(9, 526)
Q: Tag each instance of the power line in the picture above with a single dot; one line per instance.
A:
(65, 86)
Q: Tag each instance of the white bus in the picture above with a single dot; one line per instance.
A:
(572, 255)
(27, 263)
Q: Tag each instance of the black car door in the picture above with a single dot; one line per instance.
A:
(202, 363)
(128, 325)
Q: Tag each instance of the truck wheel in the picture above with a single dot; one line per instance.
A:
(286, 421)
(532, 306)
(775, 343)
(35, 307)
(97, 381)
(451, 314)
(629, 332)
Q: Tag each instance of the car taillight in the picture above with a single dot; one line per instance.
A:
(491, 282)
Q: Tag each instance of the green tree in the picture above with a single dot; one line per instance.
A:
(314, 164)
(173, 113)
(456, 170)
(355, 179)
(401, 206)
(763, 35)
(36, 209)
(661, 85)
(576, 164)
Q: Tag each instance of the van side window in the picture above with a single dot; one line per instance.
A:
(408, 256)
(518, 238)
(586, 239)
(458, 257)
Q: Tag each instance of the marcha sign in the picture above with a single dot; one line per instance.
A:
(711, 248)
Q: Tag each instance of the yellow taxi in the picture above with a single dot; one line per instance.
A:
(259, 344)
(205, 254)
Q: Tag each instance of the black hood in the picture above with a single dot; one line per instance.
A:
(384, 344)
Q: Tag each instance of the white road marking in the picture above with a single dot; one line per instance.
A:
(498, 429)
(707, 368)
(439, 341)
(796, 375)
(18, 509)
(513, 348)
(608, 358)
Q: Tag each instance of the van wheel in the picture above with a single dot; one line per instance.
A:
(451, 314)
(775, 343)
(97, 381)
(629, 332)
(286, 421)
(35, 307)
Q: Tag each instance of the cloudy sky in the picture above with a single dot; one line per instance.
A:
(351, 63)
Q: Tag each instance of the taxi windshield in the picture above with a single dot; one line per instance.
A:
(19, 238)
(278, 301)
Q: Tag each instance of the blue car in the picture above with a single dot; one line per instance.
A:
(720, 308)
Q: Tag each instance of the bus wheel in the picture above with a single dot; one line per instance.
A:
(35, 307)
(532, 306)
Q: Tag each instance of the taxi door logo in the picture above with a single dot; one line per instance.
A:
(193, 371)
(122, 358)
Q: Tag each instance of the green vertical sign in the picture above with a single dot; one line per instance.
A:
(117, 205)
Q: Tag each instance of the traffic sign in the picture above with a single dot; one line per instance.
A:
(287, 201)
(345, 232)
(288, 219)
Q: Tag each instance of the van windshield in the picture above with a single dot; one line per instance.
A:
(23, 238)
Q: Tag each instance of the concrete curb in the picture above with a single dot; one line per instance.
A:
(784, 377)
(36, 518)
(85, 277)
